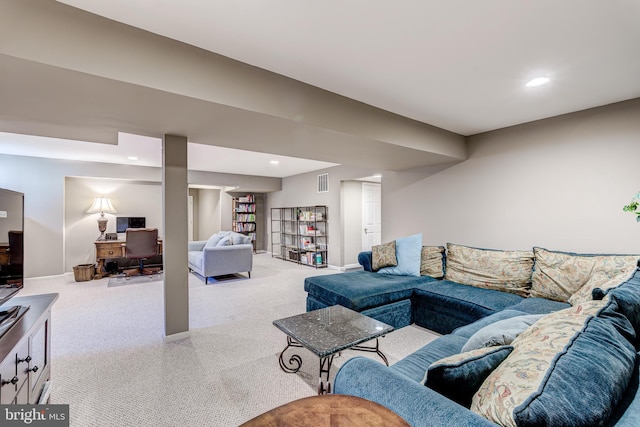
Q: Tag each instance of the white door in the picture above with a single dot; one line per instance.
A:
(371, 213)
(190, 218)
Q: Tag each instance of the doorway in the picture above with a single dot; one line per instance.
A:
(371, 215)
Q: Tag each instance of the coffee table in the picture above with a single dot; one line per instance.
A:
(328, 411)
(326, 332)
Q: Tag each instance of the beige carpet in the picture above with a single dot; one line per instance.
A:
(111, 365)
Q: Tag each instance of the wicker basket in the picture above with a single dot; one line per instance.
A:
(83, 272)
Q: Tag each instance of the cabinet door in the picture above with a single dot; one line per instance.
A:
(7, 373)
(39, 363)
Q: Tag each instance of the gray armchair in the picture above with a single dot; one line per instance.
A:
(225, 252)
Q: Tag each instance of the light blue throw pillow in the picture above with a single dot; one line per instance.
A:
(225, 241)
(408, 252)
(214, 239)
(501, 332)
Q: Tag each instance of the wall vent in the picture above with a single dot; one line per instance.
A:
(323, 183)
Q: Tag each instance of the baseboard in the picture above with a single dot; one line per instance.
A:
(177, 337)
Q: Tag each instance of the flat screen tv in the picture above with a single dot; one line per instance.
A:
(11, 243)
(124, 222)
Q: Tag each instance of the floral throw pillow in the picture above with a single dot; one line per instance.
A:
(384, 255)
(432, 261)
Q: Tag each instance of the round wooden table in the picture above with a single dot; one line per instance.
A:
(328, 410)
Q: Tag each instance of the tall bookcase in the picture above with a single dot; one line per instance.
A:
(299, 234)
(244, 217)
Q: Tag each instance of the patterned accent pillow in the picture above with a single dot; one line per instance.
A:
(432, 261)
(558, 275)
(507, 271)
(459, 376)
(384, 255)
(602, 282)
(526, 371)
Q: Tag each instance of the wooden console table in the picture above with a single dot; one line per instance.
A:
(109, 249)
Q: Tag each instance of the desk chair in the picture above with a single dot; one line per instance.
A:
(142, 243)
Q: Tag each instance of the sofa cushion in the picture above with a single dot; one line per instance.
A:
(416, 364)
(408, 250)
(627, 296)
(507, 271)
(442, 306)
(432, 260)
(502, 332)
(225, 241)
(239, 239)
(558, 275)
(602, 283)
(467, 331)
(384, 255)
(212, 242)
(459, 376)
(359, 290)
(533, 305)
(543, 381)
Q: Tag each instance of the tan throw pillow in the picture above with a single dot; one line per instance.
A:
(431, 261)
(384, 255)
(600, 280)
(559, 275)
(507, 271)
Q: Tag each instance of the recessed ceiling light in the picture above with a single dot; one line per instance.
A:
(274, 162)
(132, 158)
(538, 81)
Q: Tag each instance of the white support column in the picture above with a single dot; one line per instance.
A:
(175, 225)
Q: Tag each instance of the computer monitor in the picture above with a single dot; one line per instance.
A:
(124, 222)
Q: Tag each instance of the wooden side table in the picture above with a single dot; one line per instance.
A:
(329, 410)
(107, 249)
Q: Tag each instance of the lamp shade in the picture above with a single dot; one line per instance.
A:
(102, 205)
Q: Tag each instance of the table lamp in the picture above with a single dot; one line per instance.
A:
(103, 205)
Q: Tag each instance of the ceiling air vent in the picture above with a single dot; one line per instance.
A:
(323, 183)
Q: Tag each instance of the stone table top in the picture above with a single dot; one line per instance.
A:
(331, 329)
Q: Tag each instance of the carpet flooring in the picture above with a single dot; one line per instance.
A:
(111, 365)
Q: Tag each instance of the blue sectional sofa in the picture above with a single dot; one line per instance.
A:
(438, 305)
(591, 379)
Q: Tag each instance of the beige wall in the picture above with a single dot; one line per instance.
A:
(301, 190)
(558, 183)
(129, 198)
(43, 182)
(351, 226)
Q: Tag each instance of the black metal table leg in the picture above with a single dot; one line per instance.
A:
(295, 361)
(375, 349)
(325, 370)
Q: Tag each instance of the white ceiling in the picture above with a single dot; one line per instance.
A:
(458, 64)
(148, 152)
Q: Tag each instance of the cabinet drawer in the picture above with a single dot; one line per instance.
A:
(109, 250)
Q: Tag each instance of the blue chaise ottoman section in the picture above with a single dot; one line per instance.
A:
(443, 306)
(383, 297)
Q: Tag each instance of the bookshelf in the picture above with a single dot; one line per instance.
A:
(299, 234)
(244, 216)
